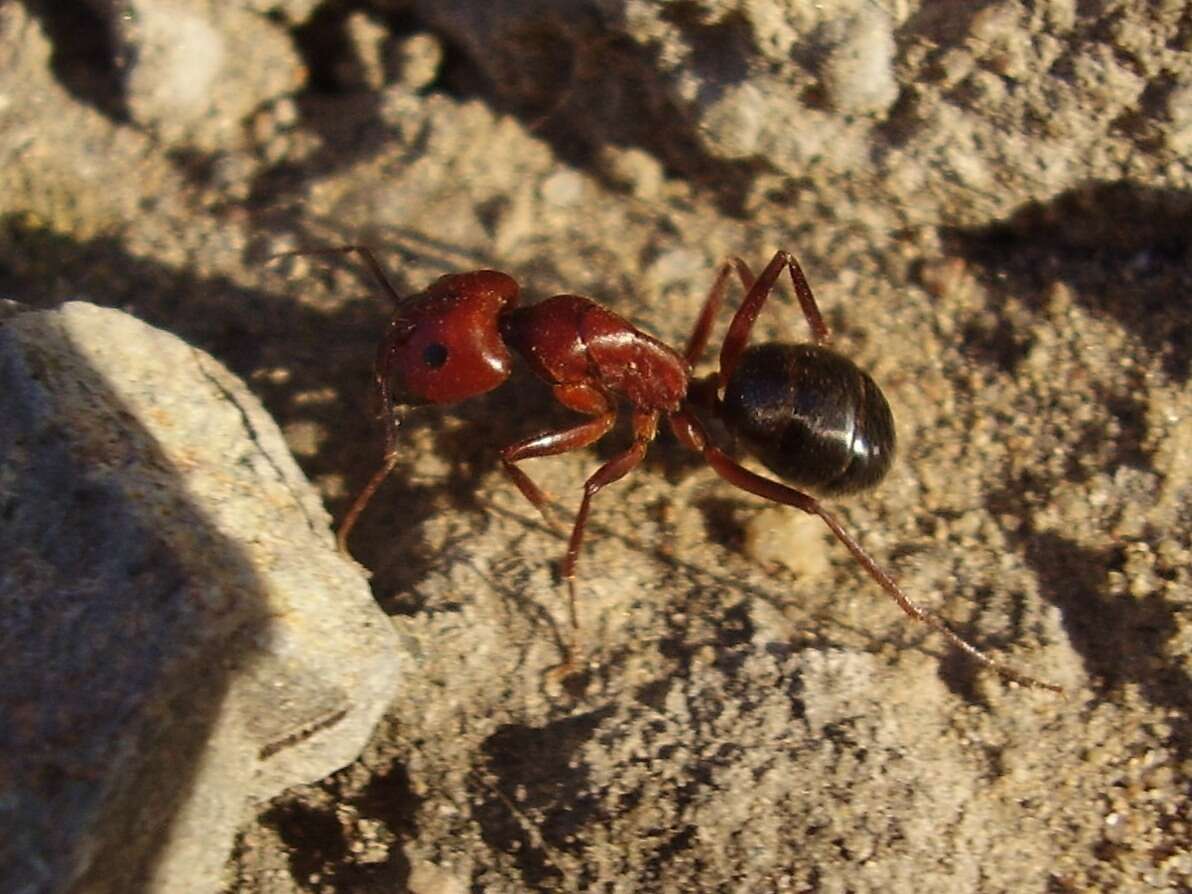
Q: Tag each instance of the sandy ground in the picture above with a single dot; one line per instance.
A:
(756, 715)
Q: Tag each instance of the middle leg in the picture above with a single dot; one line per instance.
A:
(645, 427)
(582, 399)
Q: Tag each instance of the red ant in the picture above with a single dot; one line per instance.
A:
(808, 414)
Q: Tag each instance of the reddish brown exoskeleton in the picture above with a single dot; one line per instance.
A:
(806, 412)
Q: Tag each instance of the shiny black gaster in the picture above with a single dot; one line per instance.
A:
(810, 416)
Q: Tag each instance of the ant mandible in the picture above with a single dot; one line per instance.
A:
(807, 413)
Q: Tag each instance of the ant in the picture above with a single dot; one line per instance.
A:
(807, 413)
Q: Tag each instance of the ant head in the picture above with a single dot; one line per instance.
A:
(444, 344)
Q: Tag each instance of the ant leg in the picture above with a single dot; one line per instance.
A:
(365, 496)
(645, 427)
(365, 253)
(581, 398)
(691, 433)
(363, 499)
(742, 324)
(707, 315)
(551, 443)
(381, 373)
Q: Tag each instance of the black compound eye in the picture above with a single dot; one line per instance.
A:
(434, 355)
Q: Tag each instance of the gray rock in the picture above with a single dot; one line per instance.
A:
(180, 638)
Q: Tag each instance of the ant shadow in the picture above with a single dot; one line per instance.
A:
(318, 845)
(1124, 249)
(1117, 638)
(540, 795)
(714, 610)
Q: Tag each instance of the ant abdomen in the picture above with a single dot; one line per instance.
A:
(810, 416)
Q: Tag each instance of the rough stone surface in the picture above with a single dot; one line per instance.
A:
(195, 71)
(928, 111)
(181, 640)
(1002, 240)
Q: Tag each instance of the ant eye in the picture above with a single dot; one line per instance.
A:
(434, 355)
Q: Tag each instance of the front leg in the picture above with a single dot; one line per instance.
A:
(381, 375)
(550, 443)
